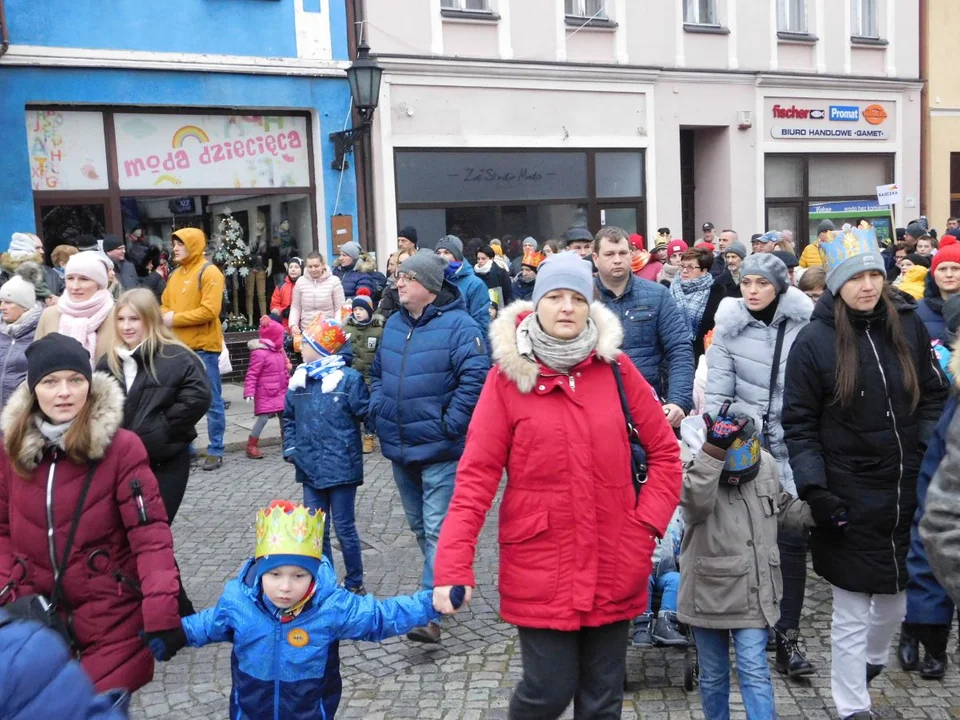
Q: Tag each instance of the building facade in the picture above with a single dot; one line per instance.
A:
(126, 115)
(508, 116)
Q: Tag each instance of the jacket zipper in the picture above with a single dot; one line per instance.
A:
(50, 540)
(403, 365)
(278, 640)
(896, 432)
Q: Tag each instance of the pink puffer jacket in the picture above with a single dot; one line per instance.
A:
(269, 371)
(311, 298)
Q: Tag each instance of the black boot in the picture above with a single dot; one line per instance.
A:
(908, 650)
(643, 631)
(934, 666)
(873, 671)
(666, 631)
(790, 659)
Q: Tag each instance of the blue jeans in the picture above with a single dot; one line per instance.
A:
(216, 415)
(713, 648)
(669, 585)
(425, 491)
(339, 503)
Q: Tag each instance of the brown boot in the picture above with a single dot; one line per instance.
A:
(252, 450)
(367, 444)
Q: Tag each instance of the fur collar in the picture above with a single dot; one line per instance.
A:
(522, 372)
(733, 317)
(107, 399)
(955, 365)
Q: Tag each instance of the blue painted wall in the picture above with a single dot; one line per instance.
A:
(263, 28)
(329, 97)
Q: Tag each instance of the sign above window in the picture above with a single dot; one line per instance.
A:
(67, 150)
(830, 119)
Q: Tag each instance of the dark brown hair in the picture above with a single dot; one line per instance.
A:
(612, 233)
(848, 360)
(76, 441)
(701, 256)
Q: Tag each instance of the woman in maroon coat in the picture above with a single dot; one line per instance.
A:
(119, 578)
(575, 541)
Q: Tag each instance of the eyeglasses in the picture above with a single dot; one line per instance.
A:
(404, 278)
(689, 268)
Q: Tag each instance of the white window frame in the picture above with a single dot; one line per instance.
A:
(860, 8)
(582, 12)
(785, 10)
(692, 14)
(461, 6)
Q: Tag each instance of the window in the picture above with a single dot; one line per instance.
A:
(864, 18)
(467, 5)
(585, 8)
(792, 16)
(700, 12)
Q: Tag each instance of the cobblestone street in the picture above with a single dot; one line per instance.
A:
(473, 673)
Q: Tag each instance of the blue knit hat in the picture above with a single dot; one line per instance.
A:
(564, 271)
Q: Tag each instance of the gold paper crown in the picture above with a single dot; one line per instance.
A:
(287, 529)
(533, 259)
(840, 246)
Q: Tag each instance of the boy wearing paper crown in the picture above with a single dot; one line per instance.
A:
(523, 283)
(325, 404)
(730, 583)
(285, 615)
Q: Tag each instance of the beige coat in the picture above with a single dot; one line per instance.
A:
(311, 298)
(729, 559)
(50, 322)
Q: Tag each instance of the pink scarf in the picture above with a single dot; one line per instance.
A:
(81, 320)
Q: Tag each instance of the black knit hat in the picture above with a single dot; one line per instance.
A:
(410, 233)
(55, 352)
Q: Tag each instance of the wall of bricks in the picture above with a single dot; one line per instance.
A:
(239, 355)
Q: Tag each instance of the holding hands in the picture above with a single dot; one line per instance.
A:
(449, 598)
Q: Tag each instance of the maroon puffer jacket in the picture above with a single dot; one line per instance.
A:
(120, 577)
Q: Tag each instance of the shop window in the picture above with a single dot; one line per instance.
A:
(700, 12)
(783, 176)
(792, 16)
(466, 5)
(864, 21)
(585, 9)
(63, 223)
(619, 174)
(840, 176)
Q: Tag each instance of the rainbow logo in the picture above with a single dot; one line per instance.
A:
(189, 131)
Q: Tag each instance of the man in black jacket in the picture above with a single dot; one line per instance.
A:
(125, 270)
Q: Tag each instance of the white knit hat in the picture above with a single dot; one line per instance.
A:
(19, 292)
(91, 264)
(22, 245)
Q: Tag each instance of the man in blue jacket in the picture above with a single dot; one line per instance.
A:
(424, 383)
(474, 290)
(655, 336)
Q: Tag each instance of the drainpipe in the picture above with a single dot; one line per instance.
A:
(925, 143)
(4, 38)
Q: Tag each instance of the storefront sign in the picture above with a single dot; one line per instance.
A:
(786, 132)
(888, 194)
(67, 150)
(211, 151)
(830, 119)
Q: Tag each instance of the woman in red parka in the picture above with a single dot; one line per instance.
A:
(119, 578)
(575, 540)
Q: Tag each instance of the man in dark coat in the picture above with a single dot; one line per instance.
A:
(125, 270)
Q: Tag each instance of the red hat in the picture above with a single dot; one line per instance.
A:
(950, 253)
(637, 242)
(676, 246)
(705, 246)
(947, 241)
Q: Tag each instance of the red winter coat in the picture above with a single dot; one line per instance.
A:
(575, 550)
(120, 577)
(280, 302)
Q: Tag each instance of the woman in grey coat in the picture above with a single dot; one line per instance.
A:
(740, 367)
(20, 314)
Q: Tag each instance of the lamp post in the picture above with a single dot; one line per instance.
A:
(364, 78)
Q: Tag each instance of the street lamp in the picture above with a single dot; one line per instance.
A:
(364, 77)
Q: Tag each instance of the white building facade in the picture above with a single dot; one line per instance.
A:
(504, 117)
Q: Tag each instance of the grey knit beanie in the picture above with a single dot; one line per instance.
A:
(352, 249)
(453, 244)
(532, 242)
(737, 248)
(427, 268)
(768, 266)
(564, 271)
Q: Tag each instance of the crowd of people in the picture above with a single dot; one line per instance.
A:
(679, 427)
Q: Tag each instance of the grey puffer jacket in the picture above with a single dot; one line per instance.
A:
(729, 560)
(14, 340)
(739, 366)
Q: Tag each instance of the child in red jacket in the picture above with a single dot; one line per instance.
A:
(267, 378)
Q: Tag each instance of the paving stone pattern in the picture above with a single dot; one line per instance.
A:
(472, 675)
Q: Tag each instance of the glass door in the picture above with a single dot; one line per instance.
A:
(62, 223)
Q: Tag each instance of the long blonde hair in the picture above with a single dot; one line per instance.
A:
(156, 335)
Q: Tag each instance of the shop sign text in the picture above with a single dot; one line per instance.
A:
(785, 132)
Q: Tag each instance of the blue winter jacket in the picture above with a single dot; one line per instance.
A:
(353, 279)
(40, 679)
(927, 601)
(426, 380)
(321, 431)
(522, 290)
(475, 294)
(930, 309)
(291, 670)
(655, 337)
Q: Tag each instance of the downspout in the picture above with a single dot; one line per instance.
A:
(4, 37)
(925, 143)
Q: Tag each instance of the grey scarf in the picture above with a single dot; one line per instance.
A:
(52, 434)
(534, 343)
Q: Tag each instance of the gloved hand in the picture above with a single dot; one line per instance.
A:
(166, 643)
(827, 509)
(722, 431)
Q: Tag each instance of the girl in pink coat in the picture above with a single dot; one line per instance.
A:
(267, 378)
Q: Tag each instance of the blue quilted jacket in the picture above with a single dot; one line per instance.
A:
(426, 380)
(475, 294)
(291, 670)
(655, 337)
(321, 431)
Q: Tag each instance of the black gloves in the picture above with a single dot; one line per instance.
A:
(827, 509)
(166, 643)
(724, 430)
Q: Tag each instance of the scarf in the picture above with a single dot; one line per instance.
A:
(81, 320)
(483, 268)
(52, 434)
(639, 261)
(452, 269)
(691, 297)
(767, 314)
(129, 363)
(669, 273)
(326, 370)
(534, 343)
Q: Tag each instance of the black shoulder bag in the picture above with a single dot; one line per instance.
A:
(638, 457)
(42, 609)
(774, 375)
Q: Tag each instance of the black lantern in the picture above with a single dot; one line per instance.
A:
(364, 77)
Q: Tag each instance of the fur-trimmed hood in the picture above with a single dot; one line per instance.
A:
(365, 264)
(523, 372)
(732, 315)
(955, 364)
(105, 420)
(10, 263)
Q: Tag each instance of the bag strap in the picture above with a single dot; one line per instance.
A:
(71, 535)
(775, 368)
(638, 471)
(200, 276)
